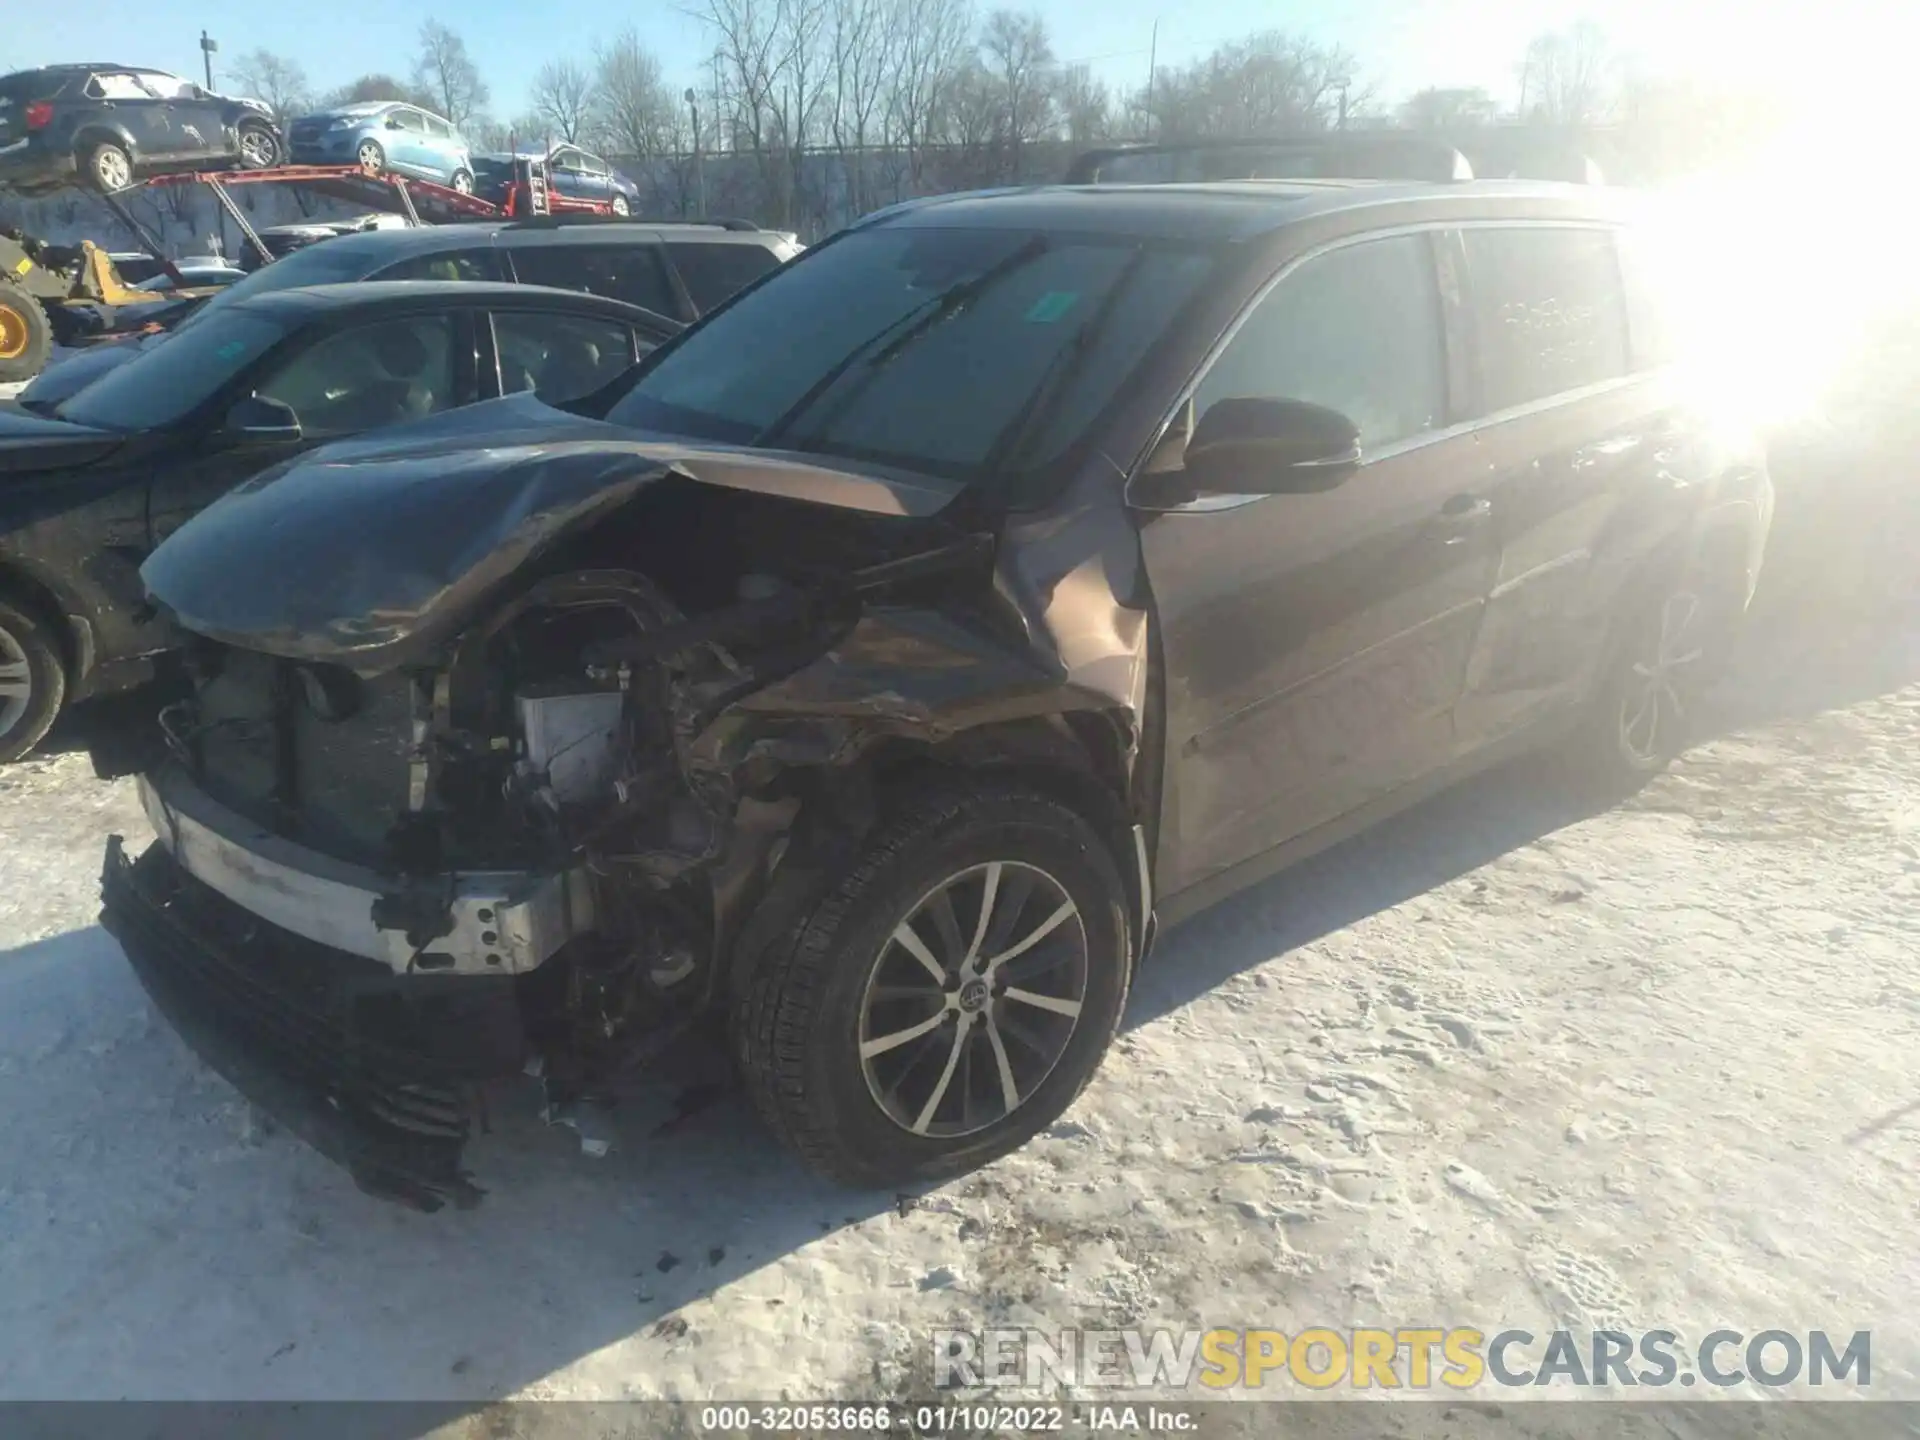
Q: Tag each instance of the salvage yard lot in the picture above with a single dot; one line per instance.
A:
(1504, 1062)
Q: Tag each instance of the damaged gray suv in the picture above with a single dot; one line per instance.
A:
(1075, 558)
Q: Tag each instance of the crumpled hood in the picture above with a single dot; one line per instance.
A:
(366, 551)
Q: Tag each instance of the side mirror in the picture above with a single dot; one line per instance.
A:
(1270, 447)
(257, 420)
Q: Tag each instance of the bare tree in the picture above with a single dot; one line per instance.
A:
(1019, 57)
(275, 79)
(1085, 107)
(634, 113)
(444, 71)
(861, 40)
(770, 71)
(369, 89)
(931, 41)
(530, 131)
(1437, 108)
(1270, 84)
(563, 96)
(970, 126)
(1565, 77)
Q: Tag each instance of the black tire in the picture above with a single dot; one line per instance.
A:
(26, 335)
(463, 181)
(370, 157)
(266, 152)
(108, 167)
(29, 650)
(1663, 657)
(798, 1019)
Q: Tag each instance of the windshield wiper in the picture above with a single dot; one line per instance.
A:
(879, 349)
(1061, 372)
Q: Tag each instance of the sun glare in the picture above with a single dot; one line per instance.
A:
(1788, 269)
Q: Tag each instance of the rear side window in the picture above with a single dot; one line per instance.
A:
(1548, 311)
(1358, 330)
(167, 87)
(370, 376)
(447, 265)
(559, 357)
(632, 273)
(714, 272)
(112, 85)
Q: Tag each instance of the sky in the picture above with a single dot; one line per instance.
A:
(1839, 46)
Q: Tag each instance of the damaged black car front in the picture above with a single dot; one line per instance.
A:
(805, 688)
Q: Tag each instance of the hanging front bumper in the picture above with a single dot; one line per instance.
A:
(373, 1070)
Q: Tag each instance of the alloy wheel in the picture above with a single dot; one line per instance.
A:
(112, 168)
(973, 999)
(1652, 710)
(16, 682)
(370, 157)
(258, 149)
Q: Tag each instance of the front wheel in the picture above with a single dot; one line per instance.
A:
(259, 147)
(33, 681)
(949, 997)
(620, 205)
(370, 157)
(463, 181)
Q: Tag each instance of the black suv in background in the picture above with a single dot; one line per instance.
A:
(1012, 570)
(677, 271)
(110, 124)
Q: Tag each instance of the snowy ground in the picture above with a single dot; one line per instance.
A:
(1501, 1062)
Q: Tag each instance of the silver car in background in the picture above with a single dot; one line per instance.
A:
(385, 135)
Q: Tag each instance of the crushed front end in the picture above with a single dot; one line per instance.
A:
(371, 892)
(513, 783)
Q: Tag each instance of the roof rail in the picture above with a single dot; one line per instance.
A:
(1345, 154)
(555, 222)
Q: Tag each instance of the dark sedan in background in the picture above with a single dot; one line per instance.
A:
(87, 489)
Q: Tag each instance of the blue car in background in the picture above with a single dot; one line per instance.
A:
(385, 135)
(571, 172)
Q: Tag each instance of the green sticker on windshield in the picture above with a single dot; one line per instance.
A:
(232, 350)
(1052, 305)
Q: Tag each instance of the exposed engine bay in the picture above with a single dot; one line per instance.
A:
(569, 813)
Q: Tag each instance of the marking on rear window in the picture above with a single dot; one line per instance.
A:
(1052, 305)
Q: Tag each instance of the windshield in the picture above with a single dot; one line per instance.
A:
(165, 384)
(955, 352)
(316, 264)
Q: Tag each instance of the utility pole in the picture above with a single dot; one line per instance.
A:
(699, 166)
(1153, 57)
(208, 47)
